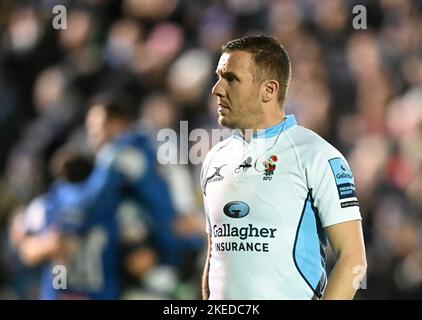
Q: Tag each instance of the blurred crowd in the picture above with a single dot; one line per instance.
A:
(359, 89)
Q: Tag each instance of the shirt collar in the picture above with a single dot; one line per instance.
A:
(287, 123)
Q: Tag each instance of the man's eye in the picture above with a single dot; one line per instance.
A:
(230, 79)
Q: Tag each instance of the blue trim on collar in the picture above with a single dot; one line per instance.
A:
(284, 125)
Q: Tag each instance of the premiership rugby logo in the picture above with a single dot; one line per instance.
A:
(236, 209)
(344, 179)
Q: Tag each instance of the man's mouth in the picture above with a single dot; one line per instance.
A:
(222, 109)
(222, 106)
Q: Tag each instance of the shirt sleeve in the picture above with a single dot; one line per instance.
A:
(332, 187)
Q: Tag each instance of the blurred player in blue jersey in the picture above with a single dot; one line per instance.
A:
(274, 192)
(79, 228)
(87, 251)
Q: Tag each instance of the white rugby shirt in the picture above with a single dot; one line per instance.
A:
(266, 204)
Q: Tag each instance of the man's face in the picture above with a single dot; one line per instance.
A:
(238, 94)
(96, 125)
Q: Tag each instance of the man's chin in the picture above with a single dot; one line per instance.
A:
(224, 122)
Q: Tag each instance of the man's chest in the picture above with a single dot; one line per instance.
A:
(239, 180)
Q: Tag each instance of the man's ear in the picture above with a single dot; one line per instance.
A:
(270, 90)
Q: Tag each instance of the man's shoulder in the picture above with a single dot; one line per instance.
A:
(218, 146)
(134, 141)
(132, 150)
(134, 138)
(211, 153)
(310, 145)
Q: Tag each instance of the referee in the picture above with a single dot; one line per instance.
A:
(275, 193)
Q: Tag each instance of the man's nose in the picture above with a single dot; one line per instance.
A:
(217, 89)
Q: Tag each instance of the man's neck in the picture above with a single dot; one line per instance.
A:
(269, 122)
